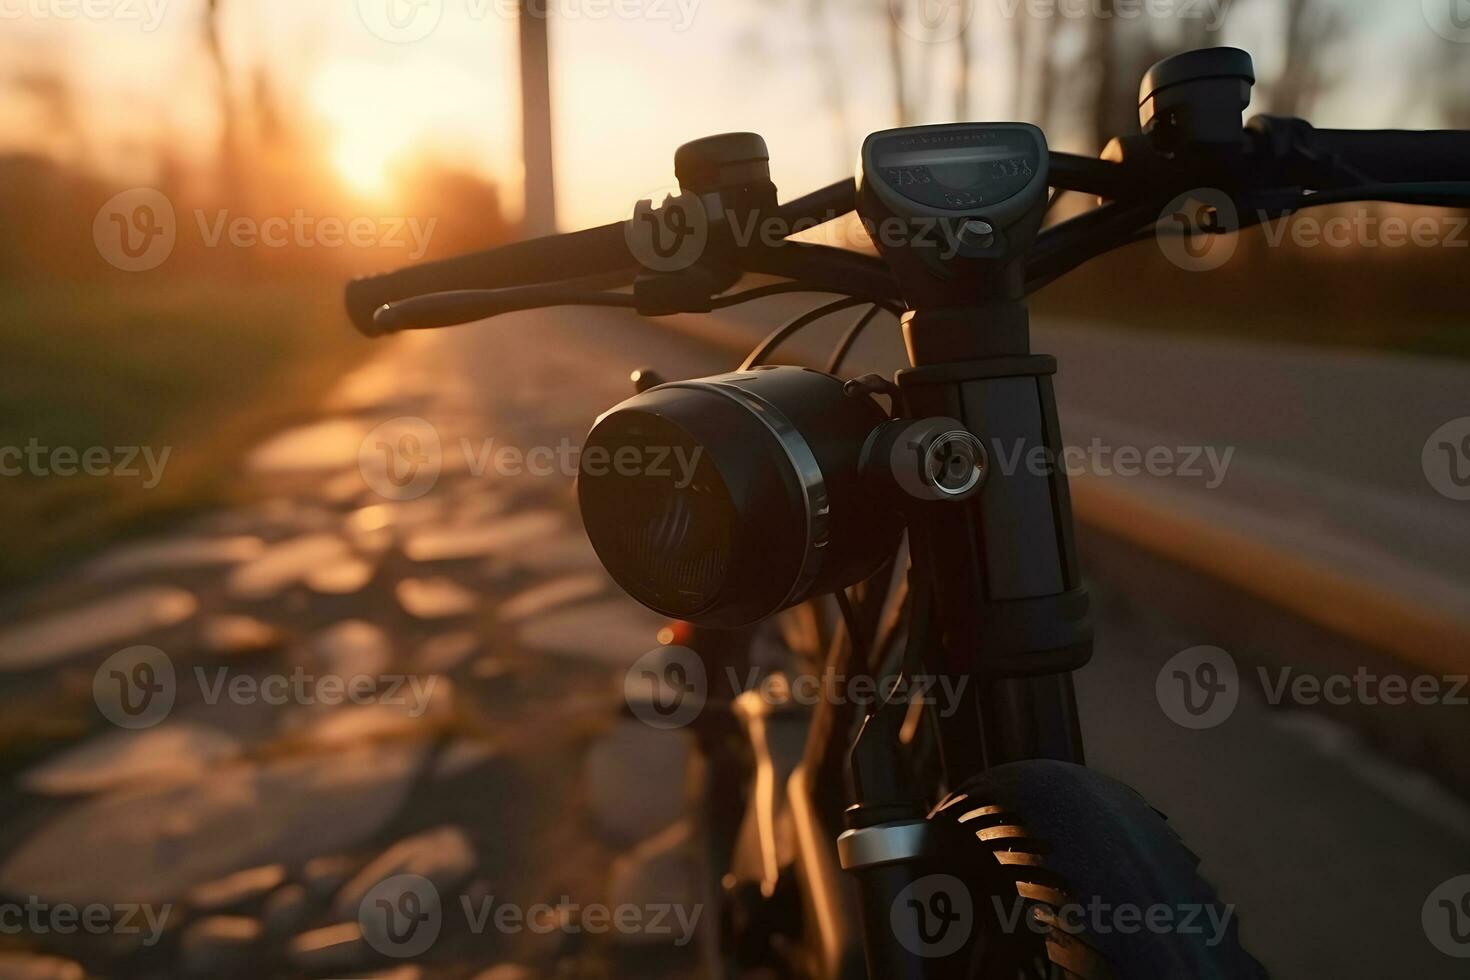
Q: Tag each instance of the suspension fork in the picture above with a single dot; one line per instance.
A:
(1010, 607)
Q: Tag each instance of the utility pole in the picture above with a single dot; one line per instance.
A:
(539, 186)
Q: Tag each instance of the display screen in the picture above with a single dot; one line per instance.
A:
(958, 170)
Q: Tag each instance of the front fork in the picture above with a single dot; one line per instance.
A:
(1011, 610)
(1009, 621)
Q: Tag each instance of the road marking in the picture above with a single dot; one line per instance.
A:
(1349, 606)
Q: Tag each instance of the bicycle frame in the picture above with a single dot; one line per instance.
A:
(1009, 620)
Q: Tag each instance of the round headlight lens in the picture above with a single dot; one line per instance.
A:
(725, 499)
(668, 529)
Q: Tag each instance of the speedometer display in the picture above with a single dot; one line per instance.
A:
(957, 170)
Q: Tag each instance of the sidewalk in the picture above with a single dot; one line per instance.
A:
(364, 688)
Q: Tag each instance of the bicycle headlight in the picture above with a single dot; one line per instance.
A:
(723, 500)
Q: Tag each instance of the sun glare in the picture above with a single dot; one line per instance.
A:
(368, 138)
(381, 122)
(365, 165)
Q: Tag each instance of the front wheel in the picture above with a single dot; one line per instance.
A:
(1079, 877)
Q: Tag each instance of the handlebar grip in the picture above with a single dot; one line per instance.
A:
(1400, 156)
(590, 252)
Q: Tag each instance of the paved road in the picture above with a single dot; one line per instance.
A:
(1329, 851)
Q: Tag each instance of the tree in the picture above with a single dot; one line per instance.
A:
(831, 69)
(228, 162)
(895, 61)
(1311, 27)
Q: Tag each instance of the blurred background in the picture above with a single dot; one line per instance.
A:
(271, 109)
(186, 185)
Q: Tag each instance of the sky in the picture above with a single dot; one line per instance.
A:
(632, 79)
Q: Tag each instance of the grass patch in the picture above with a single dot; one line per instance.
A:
(202, 370)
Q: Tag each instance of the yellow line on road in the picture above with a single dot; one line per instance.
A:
(1415, 634)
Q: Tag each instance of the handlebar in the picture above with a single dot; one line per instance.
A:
(594, 251)
(1281, 159)
(1399, 156)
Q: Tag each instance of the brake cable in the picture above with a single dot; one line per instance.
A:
(839, 354)
(784, 332)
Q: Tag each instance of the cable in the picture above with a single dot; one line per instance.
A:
(854, 629)
(761, 292)
(778, 336)
(834, 363)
